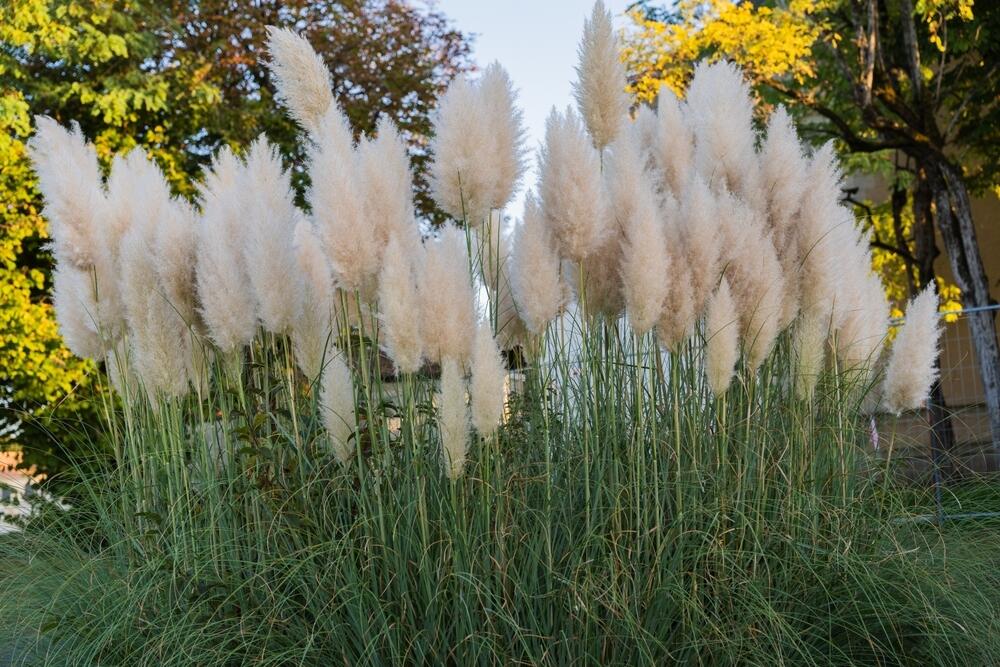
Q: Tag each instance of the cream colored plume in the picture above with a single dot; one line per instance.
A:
(720, 110)
(489, 378)
(822, 228)
(227, 303)
(678, 319)
(312, 330)
(478, 146)
(673, 149)
(447, 302)
(269, 217)
(338, 207)
(644, 259)
(602, 277)
(722, 344)
(453, 418)
(495, 244)
(82, 226)
(911, 369)
(70, 181)
(399, 300)
(301, 78)
(76, 308)
(161, 341)
(754, 274)
(784, 171)
(600, 86)
(570, 187)
(536, 279)
(387, 186)
(504, 156)
(336, 405)
(699, 233)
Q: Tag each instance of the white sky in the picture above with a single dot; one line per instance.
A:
(536, 41)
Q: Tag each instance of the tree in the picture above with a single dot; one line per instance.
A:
(179, 78)
(908, 90)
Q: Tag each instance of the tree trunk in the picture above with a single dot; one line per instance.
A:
(954, 215)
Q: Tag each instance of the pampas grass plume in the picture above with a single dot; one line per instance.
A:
(447, 302)
(336, 403)
(722, 339)
(73, 300)
(600, 87)
(911, 369)
(486, 388)
(269, 217)
(312, 330)
(384, 170)
(301, 78)
(453, 418)
(399, 303)
(645, 258)
(504, 155)
(673, 149)
(227, 304)
(535, 275)
(338, 206)
(570, 187)
(70, 181)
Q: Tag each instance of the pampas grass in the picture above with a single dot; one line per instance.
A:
(633, 498)
(572, 194)
(301, 78)
(911, 369)
(600, 86)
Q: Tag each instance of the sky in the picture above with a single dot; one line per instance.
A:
(536, 41)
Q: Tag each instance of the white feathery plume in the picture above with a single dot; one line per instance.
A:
(645, 258)
(536, 281)
(336, 404)
(338, 206)
(176, 251)
(161, 344)
(673, 149)
(73, 300)
(600, 87)
(864, 325)
(678, 317)
(227, 303)
(496, 267)
(503, 157)
(269, 217)
(699, 232)
(911, 369)
(447, 302)
(81, 223)
(70, 181)
(784, 172)
(645, 127)
(720, 110)
(821, 227)
(399, 301)
(722, 343)
(384, 171)
(459, 182)
(486, 388)
(302, 80)
(312, 330)
(453, 418)
(570, 187)
(783, 167)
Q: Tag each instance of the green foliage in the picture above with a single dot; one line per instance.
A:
(157, 75)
